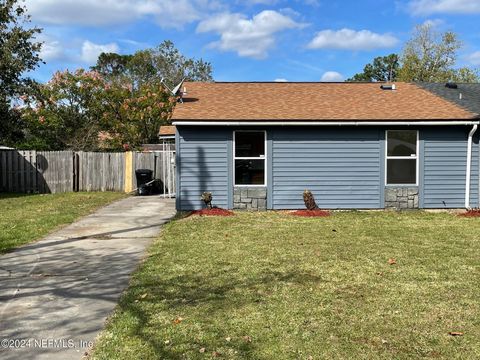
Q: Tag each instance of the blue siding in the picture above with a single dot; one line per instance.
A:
(341, 166)
(445, 159)
(203, 164)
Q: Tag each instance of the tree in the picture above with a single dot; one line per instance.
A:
(430, 56)
(383, 68)
(163, 62)
(19, 53)
(465, 75)
(65, 113)
(121, 103)
(84, 111)
(133, 117)
(112, 64)
(427, 57)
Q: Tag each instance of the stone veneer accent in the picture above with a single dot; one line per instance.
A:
(250, 198)
(401, 198)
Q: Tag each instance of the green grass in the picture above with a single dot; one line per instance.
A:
(275, 286)
(25, 218)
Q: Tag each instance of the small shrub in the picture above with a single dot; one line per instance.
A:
(207, 199)
(309, 200)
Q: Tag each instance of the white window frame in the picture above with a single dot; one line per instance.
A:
(264, 158)
(402, 158)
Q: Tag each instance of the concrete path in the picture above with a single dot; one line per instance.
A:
(56, 294)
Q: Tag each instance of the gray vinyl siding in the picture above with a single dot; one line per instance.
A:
(444, 169)
(344, 167)
(202, 165)
(341, 166)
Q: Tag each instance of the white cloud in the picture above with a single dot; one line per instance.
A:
(167, 13)
(91, 51)
(434, 23)
(263, 2)
(248, 37)
(474, 58)
(52, 49)
(347, 39)
(281, 80)
(332, 76)
(426, 7)
(273, 2)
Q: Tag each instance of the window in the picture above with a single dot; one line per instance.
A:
(249, 157)
(402, 156)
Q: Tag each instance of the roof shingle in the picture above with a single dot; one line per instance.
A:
(167, 130)
(314, 101)
(465, 95)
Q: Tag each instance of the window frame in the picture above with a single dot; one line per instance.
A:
(387, 157)
(264, 158)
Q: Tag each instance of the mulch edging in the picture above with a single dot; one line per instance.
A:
(471, 213)
(311, 213)
(213, 212)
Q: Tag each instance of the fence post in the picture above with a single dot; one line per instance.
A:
(128, 171)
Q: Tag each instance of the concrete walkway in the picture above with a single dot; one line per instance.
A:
(56, 294)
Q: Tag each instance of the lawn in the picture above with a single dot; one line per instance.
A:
(25, 218)
(274, 286)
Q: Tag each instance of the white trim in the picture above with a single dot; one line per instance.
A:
(469, 167)
(264, 158)
(402, 158)
(325, 123)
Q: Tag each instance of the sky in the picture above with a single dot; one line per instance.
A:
(251, 40)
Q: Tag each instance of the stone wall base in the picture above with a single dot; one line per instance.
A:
(250, 198)
(401, 198)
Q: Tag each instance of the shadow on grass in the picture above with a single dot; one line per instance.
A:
(13, 195)
(217, 294)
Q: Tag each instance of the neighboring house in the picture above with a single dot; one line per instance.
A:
(465, 95)
(354, 145)
(167, 137)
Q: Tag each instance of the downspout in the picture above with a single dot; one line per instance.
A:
(469, 166)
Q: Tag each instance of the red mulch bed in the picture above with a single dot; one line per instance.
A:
(213, 212)
(311, 213)
(471, 213)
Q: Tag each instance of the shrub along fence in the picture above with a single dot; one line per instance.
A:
(64, 171)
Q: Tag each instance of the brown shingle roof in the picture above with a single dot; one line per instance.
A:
(167, 130)
(313, 101)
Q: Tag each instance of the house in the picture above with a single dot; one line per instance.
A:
(167, 137)
(354, 145)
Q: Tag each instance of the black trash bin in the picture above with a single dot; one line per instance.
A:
(144, 177)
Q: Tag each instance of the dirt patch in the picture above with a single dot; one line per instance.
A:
(471, 213)
(213, 212)
(311, 213)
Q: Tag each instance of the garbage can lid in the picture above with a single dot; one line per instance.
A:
(143, 171)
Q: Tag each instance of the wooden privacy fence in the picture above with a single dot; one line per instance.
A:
(64, 171)
(99, 171)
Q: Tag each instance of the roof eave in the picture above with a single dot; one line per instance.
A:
(430, 122)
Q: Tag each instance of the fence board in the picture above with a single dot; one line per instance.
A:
(3, 172)
(65, 171)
